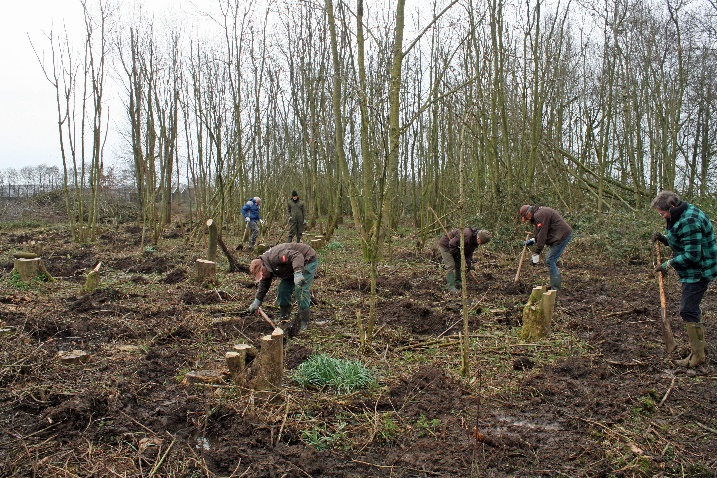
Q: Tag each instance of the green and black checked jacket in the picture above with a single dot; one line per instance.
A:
(692, 239)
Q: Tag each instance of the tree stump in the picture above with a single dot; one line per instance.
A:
(538, 313)
(28, 268)
(213, 236)
(72, 357)
(239, 361)
(206, 272)
(318, 242)
(93, 279)
(269, 370)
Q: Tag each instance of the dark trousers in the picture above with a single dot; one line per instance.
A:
(692, 293)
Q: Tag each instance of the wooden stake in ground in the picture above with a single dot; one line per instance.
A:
(538, 313)
(667, 335)
(522, 256)
(213, 235)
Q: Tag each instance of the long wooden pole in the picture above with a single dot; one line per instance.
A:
(522, 256)
(667, 335)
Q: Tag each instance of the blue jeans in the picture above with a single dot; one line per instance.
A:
(552, 260)
(287, 289)
(692, 293)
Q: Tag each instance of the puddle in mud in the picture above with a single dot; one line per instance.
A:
(206, 443)
(512, 421)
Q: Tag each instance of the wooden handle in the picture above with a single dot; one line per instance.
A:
(265, 317)
(522, 256)
(661, 280)
(667, 336)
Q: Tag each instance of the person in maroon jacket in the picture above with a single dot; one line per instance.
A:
(295, 264)
(450, 247)
(551, 230)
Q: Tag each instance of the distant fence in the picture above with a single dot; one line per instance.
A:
(22, 191)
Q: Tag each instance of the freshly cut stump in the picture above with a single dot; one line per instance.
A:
(206, 272)
(538, 313)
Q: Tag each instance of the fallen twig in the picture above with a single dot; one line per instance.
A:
(283, 420)
(438, 343)
(669, 389)
(706, 428)
(161, 460)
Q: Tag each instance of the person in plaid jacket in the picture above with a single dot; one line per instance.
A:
(690, 235)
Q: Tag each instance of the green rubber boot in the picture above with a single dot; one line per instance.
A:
(451, 282)
(696, 335)
(300, 322)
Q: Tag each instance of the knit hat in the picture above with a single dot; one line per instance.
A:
(294, 194)
(255, 269)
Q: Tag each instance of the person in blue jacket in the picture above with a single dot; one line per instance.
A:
(250, 211)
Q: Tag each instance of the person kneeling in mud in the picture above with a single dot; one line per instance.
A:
(295, 264)
(450, 247)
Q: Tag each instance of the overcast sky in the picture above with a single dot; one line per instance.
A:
(28, 115)
(28, 109)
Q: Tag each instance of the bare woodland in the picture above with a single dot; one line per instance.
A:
(402, 119)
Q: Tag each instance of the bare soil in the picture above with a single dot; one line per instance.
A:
(598, 397)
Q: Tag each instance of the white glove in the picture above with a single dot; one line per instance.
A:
(304, 222)
(289, 220)
(299, 280)
(261, 221)
(247, 219)
(535, 259)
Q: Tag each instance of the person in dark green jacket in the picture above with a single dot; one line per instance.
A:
(297, 217)
(690, 235)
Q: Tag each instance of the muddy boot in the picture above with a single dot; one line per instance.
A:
(555, 281)
(696, 335)
(451, 282)
(300, 322)
(284, 315)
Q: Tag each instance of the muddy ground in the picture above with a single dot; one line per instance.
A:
(598, 397)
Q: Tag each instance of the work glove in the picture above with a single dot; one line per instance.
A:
(288, 221)
(535, 259)
(656, 236)
(247, 219)
(255, 306)
(299, 279)
(661, 268)
(529, 242)
(304, 222)
(261, 221)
